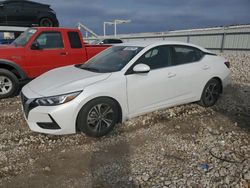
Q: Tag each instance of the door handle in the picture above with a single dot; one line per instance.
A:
(64, 53)
(170, 75)
(205, 67)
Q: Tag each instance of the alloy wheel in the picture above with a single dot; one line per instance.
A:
(6, 85)
(212, 93)
(100, 117)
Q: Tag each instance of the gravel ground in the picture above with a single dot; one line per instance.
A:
(184, 146)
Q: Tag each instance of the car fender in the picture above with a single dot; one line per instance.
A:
(15, 66)
(119, 100)
(46, 15)
(212, 76)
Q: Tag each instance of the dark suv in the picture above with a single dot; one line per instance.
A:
(27, 13)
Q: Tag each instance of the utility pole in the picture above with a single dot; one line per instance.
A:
(119, 22)
(115, 22)
(104, 27)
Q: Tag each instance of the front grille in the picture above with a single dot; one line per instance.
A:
(28, 104)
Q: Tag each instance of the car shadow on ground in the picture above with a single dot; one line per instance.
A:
(235, 105)
(110, 166)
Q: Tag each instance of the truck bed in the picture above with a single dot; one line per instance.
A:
(92, 50)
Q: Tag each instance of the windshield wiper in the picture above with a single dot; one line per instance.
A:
(92, 69)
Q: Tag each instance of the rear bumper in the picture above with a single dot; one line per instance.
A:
(226, 81)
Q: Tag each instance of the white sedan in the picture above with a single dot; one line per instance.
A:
(122, 82)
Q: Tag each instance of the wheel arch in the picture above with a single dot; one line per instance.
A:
(14, 68)
(42, 15)
(221, 83)
(214, 77)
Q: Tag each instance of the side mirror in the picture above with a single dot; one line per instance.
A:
(141, 68)
(35, 46)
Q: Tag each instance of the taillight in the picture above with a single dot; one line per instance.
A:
(227, 64)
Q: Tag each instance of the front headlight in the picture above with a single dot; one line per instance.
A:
(57, 100)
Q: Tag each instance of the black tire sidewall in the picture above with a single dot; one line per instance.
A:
(46, 19)
(14, 81)
(82, 116)
(203, 102)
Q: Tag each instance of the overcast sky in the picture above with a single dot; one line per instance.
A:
(151, 15)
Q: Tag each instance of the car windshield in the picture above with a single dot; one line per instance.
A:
(24, 38)
(112, 59)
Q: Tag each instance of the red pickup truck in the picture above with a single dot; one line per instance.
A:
(38, 50)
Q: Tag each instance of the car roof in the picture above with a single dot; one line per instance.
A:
(22, 1)
(156, 43)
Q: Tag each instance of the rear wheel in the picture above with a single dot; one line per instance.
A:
(46, 22)
(8, 84)
(98, 117)
(211, 93)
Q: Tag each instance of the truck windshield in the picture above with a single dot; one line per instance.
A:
(112, 59)
(24, 38)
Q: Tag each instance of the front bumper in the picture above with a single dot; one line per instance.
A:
(56, 120)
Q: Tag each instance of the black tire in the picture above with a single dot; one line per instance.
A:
(94, 124)
(7, 77)
(211, 93)
(46, 22)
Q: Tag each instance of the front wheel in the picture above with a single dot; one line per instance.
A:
(98, 117)
(211, 93)
(8, 84)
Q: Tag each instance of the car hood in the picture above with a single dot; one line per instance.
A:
(64, 80)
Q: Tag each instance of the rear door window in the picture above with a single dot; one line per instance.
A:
(186, 54)
(74, 40)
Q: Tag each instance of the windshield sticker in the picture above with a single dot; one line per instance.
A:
(131, 48)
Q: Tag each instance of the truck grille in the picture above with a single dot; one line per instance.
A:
(28, 104)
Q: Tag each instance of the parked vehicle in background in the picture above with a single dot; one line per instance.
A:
(38, 50)
(122, 82)
(27, 14)
(107, 41)
(8, 34)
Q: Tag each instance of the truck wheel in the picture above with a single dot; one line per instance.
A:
(8, 84)
(46, 22)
